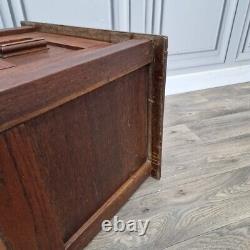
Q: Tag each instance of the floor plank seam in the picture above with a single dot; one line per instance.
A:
(199, 235)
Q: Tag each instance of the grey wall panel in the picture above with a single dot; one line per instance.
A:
(239, 49)
(198, 30)
(16, 11)
(94, 13)
(201, 33)
(193, 25)
(7, 16)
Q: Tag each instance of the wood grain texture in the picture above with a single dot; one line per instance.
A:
(5, 65)
(157, 77)
(14, 208)
(70, 77)
(62, 40)
(83, 128)
(106, 211)
(156, 104)
(19, 30)
(231, 237)
(47, 231)
(2, 245)
(109, 36)
(86, 139)
(184, 211)
(203, 198)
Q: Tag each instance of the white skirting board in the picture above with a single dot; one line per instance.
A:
(182, 83)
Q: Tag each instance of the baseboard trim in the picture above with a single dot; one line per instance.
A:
(182, 83)
(89, 229)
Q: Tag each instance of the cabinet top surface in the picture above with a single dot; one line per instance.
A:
(29, 52)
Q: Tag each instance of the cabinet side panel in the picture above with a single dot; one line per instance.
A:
(17, 229)
(89, 147)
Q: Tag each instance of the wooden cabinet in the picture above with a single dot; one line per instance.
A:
(81, 113)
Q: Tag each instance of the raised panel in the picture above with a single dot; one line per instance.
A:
(246, 47)
(239, 49)
(94, 13)
(243, 48)
(138, 15)
(192, 25)
(142, 16)
(199, 31)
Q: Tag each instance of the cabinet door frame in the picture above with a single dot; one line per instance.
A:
(218, 54)
(239, 46)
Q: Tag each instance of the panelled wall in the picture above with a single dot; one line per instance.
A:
(202, 34)
(239, 47)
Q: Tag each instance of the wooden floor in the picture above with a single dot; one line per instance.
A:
(203, 198)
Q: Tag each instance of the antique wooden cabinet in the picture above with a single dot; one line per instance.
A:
(81, 113)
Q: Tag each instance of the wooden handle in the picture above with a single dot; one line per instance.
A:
(22, 46)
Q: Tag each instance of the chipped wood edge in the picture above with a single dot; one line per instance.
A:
(157, 76)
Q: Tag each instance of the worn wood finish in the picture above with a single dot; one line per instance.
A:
(156, 104)
(19, 30)
(80, 130)
(100, 148)
(5, 65)
(203, 198)
(2, 245)
(157, 75)
(17, 47)
(62, 40)
(14, 207)
(78, 240)
(101, 67)
(47, 232)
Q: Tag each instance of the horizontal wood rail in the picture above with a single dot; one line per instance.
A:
(19, 30)
(21, 46)
(81, 73)
(108, 209)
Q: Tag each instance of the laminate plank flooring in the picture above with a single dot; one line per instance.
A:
(203, 198)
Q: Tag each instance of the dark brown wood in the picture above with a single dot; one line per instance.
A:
(108, 209)
(103, 136)
(19, 30)
(44, 223)
(156, 87)
(16, 221)
(101, 67)
(80, 129)
(156, 104)
(21, 46)
(5, 65)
